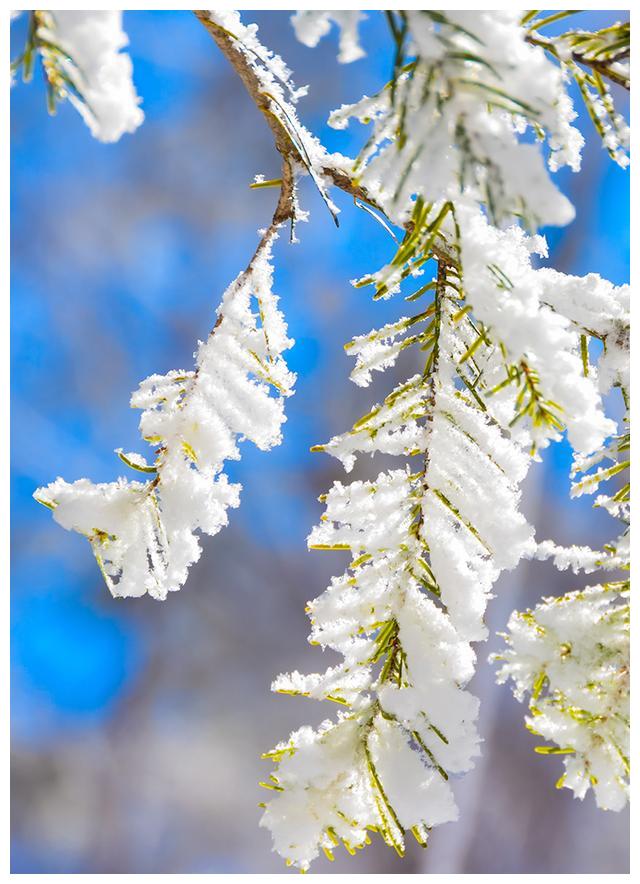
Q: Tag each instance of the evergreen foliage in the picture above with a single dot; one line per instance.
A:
(457, 165)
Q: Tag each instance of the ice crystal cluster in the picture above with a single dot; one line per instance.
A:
(501, 358)
(83, 62)
(143, 534)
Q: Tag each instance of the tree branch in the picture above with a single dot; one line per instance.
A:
(284, 211)
(602, 66)
(227, 44)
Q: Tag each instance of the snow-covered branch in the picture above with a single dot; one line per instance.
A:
(570, 655)
(499, 368)
(505, 374)
(83, 63)
(143, 533)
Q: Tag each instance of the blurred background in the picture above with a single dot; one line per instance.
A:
(137, 726)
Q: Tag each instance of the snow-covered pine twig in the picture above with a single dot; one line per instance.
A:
(570, 656)
(426, 548)
(504, 376)
(83, 63)
(465, 88)
(427, 545)
(143, 533)
(594, 59)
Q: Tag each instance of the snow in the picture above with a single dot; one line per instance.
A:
(505, 376)
(418, 726)
(476, 86)
(311, 26)
(580, 645)
(101, 73)
(144, 534)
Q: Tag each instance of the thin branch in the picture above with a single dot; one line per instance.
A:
(602, 66)
(239, 62)
(284, 144)
(284, 211)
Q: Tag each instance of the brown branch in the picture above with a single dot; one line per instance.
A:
(239, 61)
(600, 65)
(604, 68)
(284, 211)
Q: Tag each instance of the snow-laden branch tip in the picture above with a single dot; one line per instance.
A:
(570, 655)
(143, 534)
(84, 63)
(426, 547)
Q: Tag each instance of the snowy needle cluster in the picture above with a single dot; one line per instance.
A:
(82, 62)
(503, 358)
(143, 533)
(502, 353)
(570, 655)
